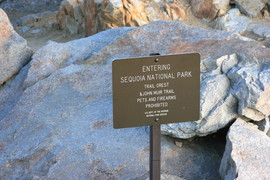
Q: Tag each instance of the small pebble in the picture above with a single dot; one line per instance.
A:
(179, 144)
(25, 29)
(35, 31)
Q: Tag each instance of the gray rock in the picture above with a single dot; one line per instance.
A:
(247, 84)
(250, 8)
(217, 109)
(219, 84)
(183, 130)
(259, 30)
(228, 63)
(239, 83)
(141, 41)
(217, 66)
(232, 22)
(14, 52)
(25, 29)
(11, 92)
(222, 115)
(54, 56)
(247, 153)
(36, 31)
(69, 130)
(62, 127)
(99, 50)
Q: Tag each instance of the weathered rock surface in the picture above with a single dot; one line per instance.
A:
(90, 12)
(249, 79)
(250, 7)
(237, 83)
(70, 16)
(222, 6)
(209, 9)
(263, 103)
(247, 153)
(61, 125)
(259, 30)
(70, 131)
(232, 22)
(54, 56)
(14, 52)
(216, 66)
(92, 16)
(11, 92)
(102, 15)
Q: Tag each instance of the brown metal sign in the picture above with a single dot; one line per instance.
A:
(156, 90)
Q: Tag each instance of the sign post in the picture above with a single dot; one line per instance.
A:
(155, 147)
(150, 91)
(154, 159)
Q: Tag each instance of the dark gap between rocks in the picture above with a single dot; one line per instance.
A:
(196, 158)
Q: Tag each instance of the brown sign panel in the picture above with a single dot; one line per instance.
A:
(156, 90)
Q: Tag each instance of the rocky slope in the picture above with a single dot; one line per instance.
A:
(20, 8)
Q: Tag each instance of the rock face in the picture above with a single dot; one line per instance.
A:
(250, 7)
(230, 73)
(259, 30)
(69, 138)
(247, 153)
(61, 125)
(232, 22)
(236, 93)
(92, 16)
(54, 56)
(90, 12)
(14, 52)
(102, 15)
(209, 9)
(70, 16)
(263, 103)
(11, 92)
(248, 83)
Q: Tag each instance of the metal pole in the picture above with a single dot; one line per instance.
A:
(155, 152)
(154, 164)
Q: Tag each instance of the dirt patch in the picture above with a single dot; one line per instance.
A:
(35, 42)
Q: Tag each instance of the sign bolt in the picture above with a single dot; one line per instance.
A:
(156, 60)
(156, 119)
